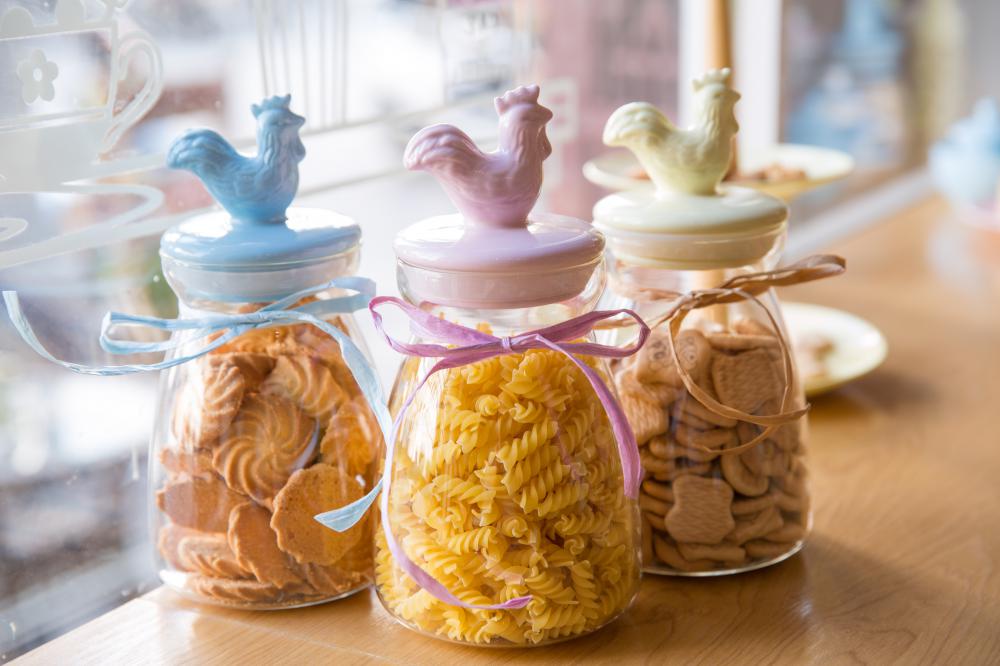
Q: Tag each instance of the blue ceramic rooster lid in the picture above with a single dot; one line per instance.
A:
(257, 248)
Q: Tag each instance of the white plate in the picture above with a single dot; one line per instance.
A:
(858, 347)
(617, 169)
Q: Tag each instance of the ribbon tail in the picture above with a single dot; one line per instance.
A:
(346, 517)
(27, 333)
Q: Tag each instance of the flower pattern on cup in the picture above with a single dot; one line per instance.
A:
(37, 74)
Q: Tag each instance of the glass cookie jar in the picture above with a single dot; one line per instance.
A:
(259, 435)
(706, 511)
(722, 492)
(263, 432)
(506, 480)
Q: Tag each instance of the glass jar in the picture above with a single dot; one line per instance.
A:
(725, 490)
(251, 441)
(706, 512)
(257, 436)
(506, 485)
(507, 482)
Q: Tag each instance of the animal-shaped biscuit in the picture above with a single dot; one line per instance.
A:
(765, 550)
(723, 552)
(198, 502)
(701, 512)
(755, 526)
(306, 382)
(647, 418)
(745, 326)
(669, 469)
(661, 491)
(207, 404)
(667, 552)
(737, 343)
(256, 546)
(663, 447)
(309, 492)
(692, 409)
(746, 381)
(714, 438)
(694, 353)
(350, 438)
(655, 364)
(268, 440)
(740, 477)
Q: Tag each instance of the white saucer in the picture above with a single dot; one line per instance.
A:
(858, 347)
(616, 169)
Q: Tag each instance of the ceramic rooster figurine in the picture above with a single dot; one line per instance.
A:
(252, 189)
(498, 188)
(692, 160)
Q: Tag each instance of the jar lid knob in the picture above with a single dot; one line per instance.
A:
(693, 160)
(255, 190)
(495, 189)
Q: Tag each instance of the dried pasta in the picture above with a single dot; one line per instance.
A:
(507, 483)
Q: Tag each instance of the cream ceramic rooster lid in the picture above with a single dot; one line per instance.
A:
(494, 253)
(256, 248)
(681, 222)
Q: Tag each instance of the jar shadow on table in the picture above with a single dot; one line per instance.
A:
(883, 392)
(795, 611)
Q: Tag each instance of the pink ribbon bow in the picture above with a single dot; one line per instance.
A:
(471, 346)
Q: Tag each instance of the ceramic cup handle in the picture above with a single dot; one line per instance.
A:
(133, 45)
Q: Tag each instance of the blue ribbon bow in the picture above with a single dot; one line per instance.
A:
(232, 325)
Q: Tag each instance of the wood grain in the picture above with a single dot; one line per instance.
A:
(903, 565)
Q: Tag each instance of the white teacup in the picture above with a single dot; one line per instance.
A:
(51, 147)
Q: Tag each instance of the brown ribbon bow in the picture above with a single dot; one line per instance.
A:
(748, 287)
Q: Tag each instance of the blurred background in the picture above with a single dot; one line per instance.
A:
(79, 223)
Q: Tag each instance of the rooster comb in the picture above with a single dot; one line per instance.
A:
(520, 95)
(275, 102)
(715, 76)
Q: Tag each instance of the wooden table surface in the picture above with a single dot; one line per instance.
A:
(903, 565)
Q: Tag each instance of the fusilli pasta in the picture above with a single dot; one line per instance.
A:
(510, 487)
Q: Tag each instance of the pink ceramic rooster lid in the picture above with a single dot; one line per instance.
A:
(494, 253)
(687, 221)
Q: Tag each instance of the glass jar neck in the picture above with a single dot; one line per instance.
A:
(231, 289)
(511, 321)
(641, 282)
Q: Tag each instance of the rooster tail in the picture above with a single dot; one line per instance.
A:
(634, 123)
(203, 152)
(441, 147)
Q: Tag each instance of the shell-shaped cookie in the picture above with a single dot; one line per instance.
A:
(308, 383)
(350, 438)
(207, 404)
(252, 365)
(268, 440)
